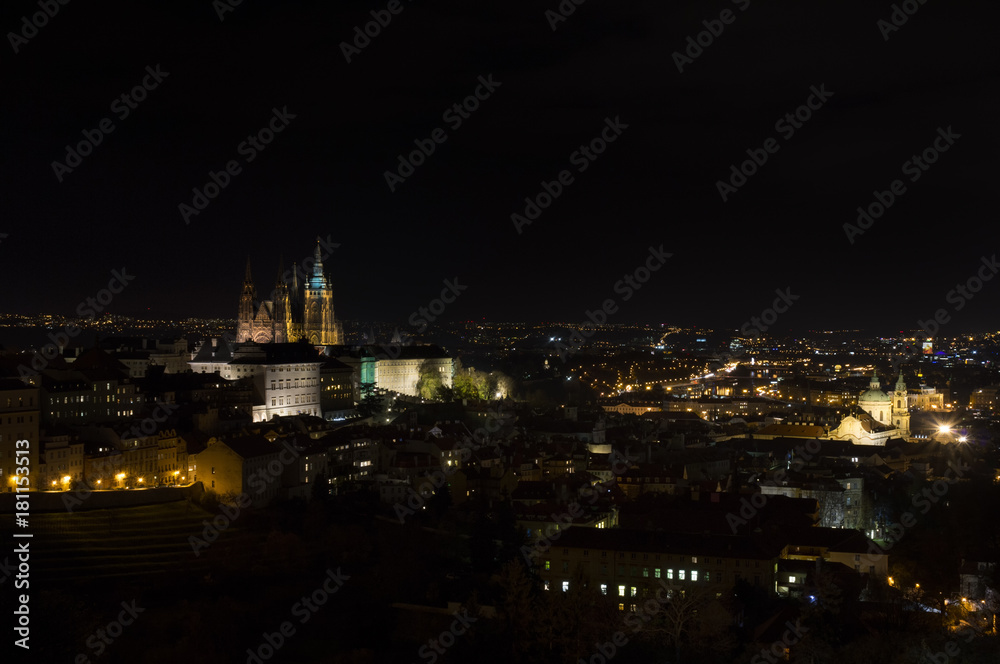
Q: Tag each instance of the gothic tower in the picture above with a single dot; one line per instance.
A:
(900, 410)
(244, 324)
(319, 326)
(282, 317)
(295, 309)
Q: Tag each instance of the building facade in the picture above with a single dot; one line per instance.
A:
(19, 419)
(285, 376)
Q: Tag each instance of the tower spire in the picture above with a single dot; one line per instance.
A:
(248, 278)
(317, 259)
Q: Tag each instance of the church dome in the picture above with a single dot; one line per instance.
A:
(874, 393)
(875, 396)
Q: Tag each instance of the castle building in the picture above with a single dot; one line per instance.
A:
(294, 312)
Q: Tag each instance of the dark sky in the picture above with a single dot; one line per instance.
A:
(655, 184)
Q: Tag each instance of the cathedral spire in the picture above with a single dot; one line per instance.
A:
(248, 279)
(318, 259)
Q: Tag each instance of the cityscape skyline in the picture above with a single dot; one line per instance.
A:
(552, 333)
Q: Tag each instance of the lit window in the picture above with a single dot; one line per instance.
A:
(670, 573)
(656, 572)
(621, 591)
(791, 579)
(633, 591)
(694, 575)
(548, 565)
(604, 589)
(565, 586)
(680, 574)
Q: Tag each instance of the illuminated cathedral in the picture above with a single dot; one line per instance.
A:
(294, 312)
(880, 417)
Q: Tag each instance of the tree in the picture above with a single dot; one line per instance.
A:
(429, 382)
(372, 403)
(517, 611)
(681, 618)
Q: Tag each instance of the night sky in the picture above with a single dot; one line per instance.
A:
(553, 91)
